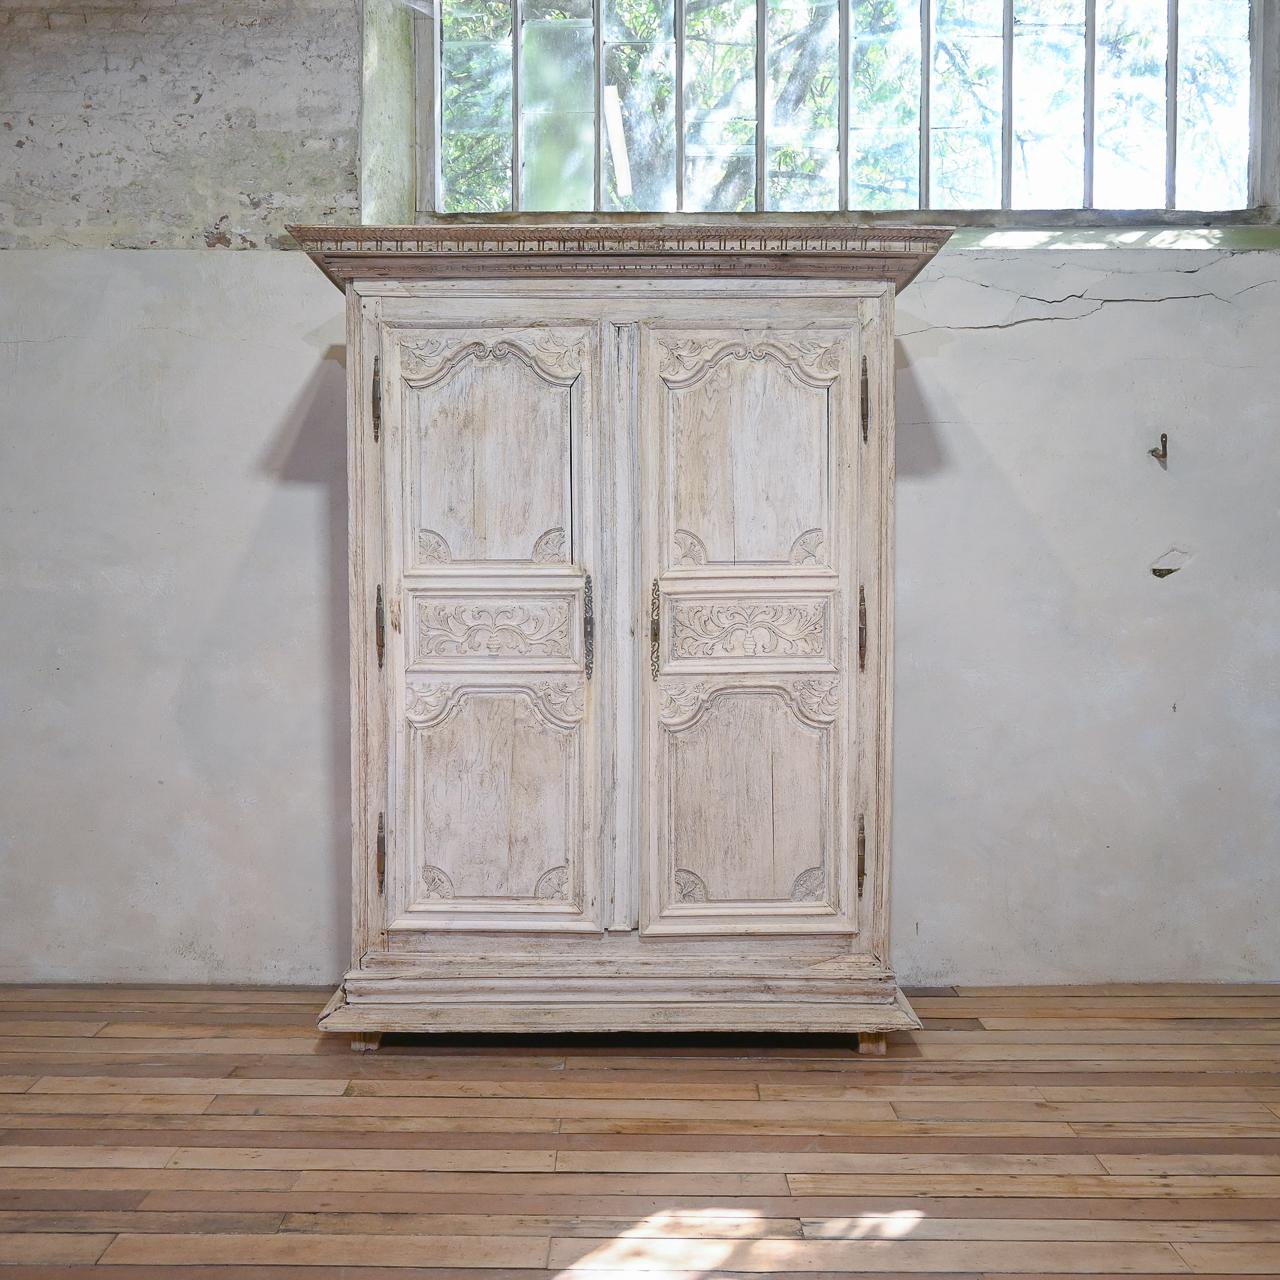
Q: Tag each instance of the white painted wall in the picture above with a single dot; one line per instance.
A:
(173, 776)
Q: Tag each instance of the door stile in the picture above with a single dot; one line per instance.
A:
(365, 525)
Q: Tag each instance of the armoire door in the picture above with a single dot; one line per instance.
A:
(488, 481)
(751, 449)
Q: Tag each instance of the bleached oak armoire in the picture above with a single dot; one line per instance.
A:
(621, 503)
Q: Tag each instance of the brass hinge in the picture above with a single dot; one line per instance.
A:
(655, 629)
(588, 628)
(375, 408)
(379, 627)
(865, 398)
(380, 852)
(862, 629)
(862, 853)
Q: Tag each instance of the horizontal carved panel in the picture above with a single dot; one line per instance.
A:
(530, 630)
(785, 631)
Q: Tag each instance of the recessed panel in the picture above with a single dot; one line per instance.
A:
(783, 631)
(745, 432)
(749, 810)
(491, 630)
(490, 425)
(495, 785)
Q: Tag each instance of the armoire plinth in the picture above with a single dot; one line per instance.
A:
(621, 524)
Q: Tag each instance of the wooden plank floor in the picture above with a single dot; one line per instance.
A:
(1046, 1132)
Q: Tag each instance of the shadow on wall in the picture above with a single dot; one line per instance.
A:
(265, 709)
(919, 450)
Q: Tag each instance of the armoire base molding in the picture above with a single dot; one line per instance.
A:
(475, 994)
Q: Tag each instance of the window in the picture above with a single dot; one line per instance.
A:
(868, 105)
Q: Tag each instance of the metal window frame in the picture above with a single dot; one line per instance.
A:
(1264, 123)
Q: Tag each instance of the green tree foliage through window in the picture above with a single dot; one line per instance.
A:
(730, 105)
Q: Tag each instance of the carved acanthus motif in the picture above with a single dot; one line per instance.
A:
(553, 884)
(689, 886)
(457, 629)
(436, 884)
(689, 360)
(689, 547)
(816, 699)
(555, 359)
(749, 629)
(813, 700)
(561, 699)
(427, 703)
(809, 886)
(804, 550)
(549, 548)
(433, 548)
(678, 702)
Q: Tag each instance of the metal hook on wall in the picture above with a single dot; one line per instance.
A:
(1161, 455)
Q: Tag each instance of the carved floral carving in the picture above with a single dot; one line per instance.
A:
(560, 701)
(553, 357)
(814, 700)
(458, 629)
(688, 360)
(748, 629)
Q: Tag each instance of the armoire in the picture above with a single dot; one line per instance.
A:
(621, 570)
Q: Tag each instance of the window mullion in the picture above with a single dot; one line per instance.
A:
(1006, 111)
(1171, 111)
(1090, 96)
(762, 101)
(678, 31)
(597, 26)
(926, 87)
(516, 162)
(842, 107)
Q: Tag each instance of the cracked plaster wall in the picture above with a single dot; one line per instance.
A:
(1085, 753)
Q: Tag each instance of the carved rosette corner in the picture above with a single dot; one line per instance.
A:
(805, 549)
(553, 885)
(436, 884)
(425, 706)
(681, 703)
(433, 548)
(690, 887)
(809, 886)
(549, 547)
(689, 548)
(561, 701)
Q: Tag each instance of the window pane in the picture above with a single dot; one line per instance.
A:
(884, 104)
(639, 109)
(803, 130)
(720, 105)
(966, 92)
(1213, 104)
(475, 105)
(1048, 104)
(1128, 167)
(557, 105)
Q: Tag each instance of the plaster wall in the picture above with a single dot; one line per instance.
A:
(1085, 754)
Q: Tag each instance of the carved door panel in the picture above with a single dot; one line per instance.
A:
(489, 483)
(750, 441)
